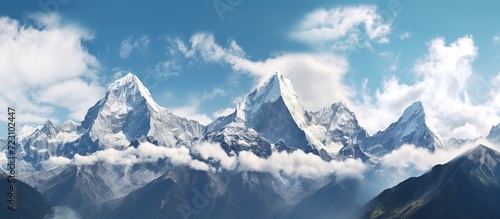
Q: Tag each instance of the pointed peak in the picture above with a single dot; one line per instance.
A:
(130, 77)
(49, 128)
(48, 123)
(340, 106)
(494, 131)
(280, 77)
(415, 107)
(130, 85)
(414, 110)
(129, 80)
(480, 149)
(276, 78)
(276, 86)
(483, 155)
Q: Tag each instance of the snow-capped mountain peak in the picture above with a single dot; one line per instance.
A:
(49, 129)
(128, 112)
(275, 87)
(411, 128)
(274, 111)
(26, 131)
(494, 134)
(416, 110)
(128, 90)
(341, 127)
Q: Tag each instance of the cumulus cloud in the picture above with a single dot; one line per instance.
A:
(39, 61)
(131, 43)
(458, 102)
(191, 111)
(214, 152)
(297, 164)
(318, 73)
(145, 152)
(408, 157)
(343, 27)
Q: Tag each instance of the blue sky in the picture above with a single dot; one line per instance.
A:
(378, 57)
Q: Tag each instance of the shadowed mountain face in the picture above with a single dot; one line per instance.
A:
(188, 193)
(466, 187)
(76, 187)
(335, 200)
(29, 203)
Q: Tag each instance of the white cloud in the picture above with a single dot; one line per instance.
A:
(320, 75)
(222, 112)
(216, 153)
(56, 161)
(458, 102)
(62, 212)
(168, 68)
(145, 152)
(405, 35)
(297, 164)
(409, 157)
(191, 111)
(496, 40)
(214, 93)
(38, 61)
(130, 44)
(343, 27)
(79, 102)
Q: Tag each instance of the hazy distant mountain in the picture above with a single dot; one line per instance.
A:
(494, 134)
(411, 128)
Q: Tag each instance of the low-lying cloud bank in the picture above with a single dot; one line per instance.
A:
(409, 157)
(297, 164)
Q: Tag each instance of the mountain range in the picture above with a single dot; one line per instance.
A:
(73, 165)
